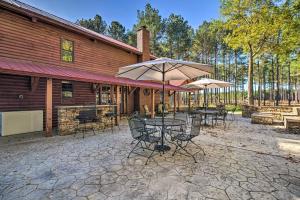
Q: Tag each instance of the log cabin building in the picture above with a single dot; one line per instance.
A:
(49, 65)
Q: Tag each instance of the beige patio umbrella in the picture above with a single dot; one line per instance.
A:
(207, 83)
(164, 69)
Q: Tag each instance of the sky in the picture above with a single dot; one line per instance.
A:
(125, 11)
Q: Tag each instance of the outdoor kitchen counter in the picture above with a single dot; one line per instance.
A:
(68, 117)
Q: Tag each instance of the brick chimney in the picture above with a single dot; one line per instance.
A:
(143, 43)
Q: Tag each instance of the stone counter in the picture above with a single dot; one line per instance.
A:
(68, 122)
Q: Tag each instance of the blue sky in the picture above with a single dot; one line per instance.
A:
(125, 11)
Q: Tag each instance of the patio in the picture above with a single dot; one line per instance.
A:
(245, 161)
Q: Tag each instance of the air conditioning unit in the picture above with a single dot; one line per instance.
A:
(17, 122)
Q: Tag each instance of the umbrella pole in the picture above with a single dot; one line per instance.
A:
(163, 113)
(162, 147)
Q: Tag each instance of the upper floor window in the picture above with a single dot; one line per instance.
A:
(67, 50)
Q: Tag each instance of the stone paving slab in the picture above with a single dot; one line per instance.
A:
(244, 161)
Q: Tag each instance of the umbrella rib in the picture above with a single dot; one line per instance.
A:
(192, 67)
(173, 67)
(149, 68)
(135, 69)
(157, 68)
(184, 73)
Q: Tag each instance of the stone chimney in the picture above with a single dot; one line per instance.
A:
(143, 43)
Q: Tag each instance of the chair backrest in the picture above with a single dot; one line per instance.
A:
(87, 114)
(160, 108)
(146, 108)
(136, 125)
(233, 110)
(167, 106)
(195, 128)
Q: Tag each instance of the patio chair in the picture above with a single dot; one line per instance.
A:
(160, 109)
(144, 136)
(87, 119)
(232, 113)
(221, 116)
(184, 138)
(111, 117)
(147, 112)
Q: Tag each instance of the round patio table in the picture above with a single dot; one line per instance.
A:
(168, 122)
(208, 112)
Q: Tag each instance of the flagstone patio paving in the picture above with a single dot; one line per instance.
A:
(244, 161)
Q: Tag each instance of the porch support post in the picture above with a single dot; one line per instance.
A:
(174, 102)
(189, 98)
(48, 105)
(118, 100)
(152, 103)
(178, 101)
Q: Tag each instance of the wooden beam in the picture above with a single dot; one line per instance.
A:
(48, 109)
(152, 103)
(171, 93)
(189, 101)
(118, 101)
(174, 102)
(178, 99)
(34, 83)
(131, 90)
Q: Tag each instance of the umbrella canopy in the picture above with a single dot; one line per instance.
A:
(169, 68)
(164, 69)
(207, 83)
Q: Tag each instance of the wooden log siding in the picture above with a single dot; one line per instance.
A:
(11, 86)
(20, 38)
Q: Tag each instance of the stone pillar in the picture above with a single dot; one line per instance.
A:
(48, 104)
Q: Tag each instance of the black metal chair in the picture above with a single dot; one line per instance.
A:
(111, 116)
(144, 136)
(184, 138)
(232, 113)
(85, 117)
(221, 116)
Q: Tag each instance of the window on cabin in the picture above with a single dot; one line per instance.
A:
(67, 50)
(103, 96)
(67, 89)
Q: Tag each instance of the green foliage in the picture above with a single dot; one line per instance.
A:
(178, 38)
(97, 24)
(155, 24)
(117, 31)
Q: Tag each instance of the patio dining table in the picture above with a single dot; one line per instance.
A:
(207, 112)
(168, 123)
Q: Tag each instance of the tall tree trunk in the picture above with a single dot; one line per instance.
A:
(235, 75)
(277, 82)
(264, 83)
(273, 80)
(250, 78)
(259, 84)
(224, 70)
(289, 83)
(215, 71)
(229, 77)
